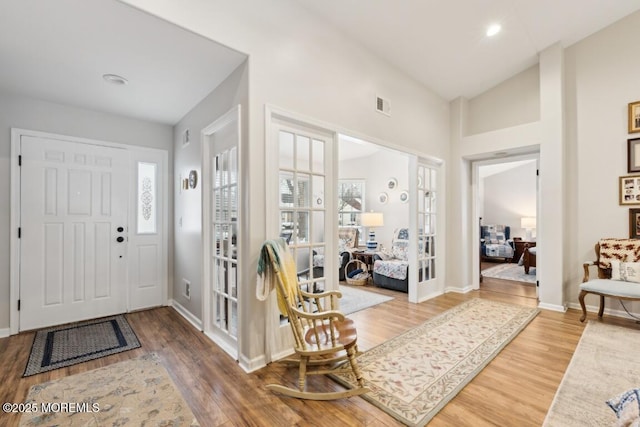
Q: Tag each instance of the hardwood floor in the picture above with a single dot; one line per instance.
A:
(515, 389)
(510, 287)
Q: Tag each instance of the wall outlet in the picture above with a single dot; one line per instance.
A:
(186, 286)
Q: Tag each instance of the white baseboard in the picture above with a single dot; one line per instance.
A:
(5, 332)
(197, 323)
(552, 307)
(251, 365)
(464, 290)
(607, 311)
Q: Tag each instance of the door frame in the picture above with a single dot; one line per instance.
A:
(475, 225)
(15, 215)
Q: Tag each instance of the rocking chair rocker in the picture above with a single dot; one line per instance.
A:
(323, 336)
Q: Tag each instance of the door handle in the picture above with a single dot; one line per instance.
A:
(120, 239)
(120, 229)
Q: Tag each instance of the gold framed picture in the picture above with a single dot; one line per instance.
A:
(630, 190)
(634, 117)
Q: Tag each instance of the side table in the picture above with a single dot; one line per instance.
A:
(367, 258)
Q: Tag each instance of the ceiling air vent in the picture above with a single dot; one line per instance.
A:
(383, 106)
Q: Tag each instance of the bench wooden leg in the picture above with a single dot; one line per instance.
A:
(601, 310)
(584, 308)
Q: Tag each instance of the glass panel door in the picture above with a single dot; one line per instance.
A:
(427, 218)
(301, 201)
(224, 242)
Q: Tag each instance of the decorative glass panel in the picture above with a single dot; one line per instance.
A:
(147, 198)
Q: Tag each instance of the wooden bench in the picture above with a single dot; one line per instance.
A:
(604, 286)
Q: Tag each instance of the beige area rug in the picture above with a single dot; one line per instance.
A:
(414, 375)
(135, 392)
(604, 365)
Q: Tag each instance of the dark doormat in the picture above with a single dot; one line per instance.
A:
(67, 345)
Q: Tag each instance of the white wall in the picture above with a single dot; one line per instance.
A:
(509, 196)
(515, 101)
(376, 169)
(300, 63)
(31, 114)
(602, 80)
(544, 136)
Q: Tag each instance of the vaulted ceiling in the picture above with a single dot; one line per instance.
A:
(443, 43)
(58, 50)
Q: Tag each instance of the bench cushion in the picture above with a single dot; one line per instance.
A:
(616, 288)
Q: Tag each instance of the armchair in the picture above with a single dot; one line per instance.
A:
(393, 272)
(347, 242)
(495, 242)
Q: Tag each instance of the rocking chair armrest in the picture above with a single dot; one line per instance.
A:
(319, 315)
(320, 294)
(586, 266)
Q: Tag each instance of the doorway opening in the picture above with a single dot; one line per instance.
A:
(506, 213)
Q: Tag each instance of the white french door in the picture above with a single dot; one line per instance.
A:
(426, 268)
(222, 228)
(74, 205)
(302, 209)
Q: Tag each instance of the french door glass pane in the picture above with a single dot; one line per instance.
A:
(286, 150)
(318, 156)
(303, 156)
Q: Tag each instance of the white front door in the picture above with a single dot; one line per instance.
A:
(73, 252)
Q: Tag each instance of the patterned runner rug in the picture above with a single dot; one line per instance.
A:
(135, 392)
(511, 272)
(414, 375)
(68, 345)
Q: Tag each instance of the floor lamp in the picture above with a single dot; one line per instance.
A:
(372, 220)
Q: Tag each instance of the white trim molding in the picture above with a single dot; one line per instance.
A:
(197, 323)
(553, 307)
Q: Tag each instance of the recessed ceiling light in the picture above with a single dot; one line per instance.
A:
(493, 30)
(115, 79)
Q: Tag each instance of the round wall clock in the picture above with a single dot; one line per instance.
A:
(193, 179)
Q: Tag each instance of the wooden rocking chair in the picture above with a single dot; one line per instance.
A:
(323, 336)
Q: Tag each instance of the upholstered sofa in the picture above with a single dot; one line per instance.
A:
(391, 271)
(495, 242)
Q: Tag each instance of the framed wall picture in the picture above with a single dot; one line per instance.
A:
(630, 190)
(383, 198)
(634, 223)
(634, 117)
(404, 196)
(633, 155)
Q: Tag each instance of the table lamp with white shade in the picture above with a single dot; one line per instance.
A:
(529, 224)
(372, 220)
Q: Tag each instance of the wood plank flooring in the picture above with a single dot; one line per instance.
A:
(515, 389)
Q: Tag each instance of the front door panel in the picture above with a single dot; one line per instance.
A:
(74, 233)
